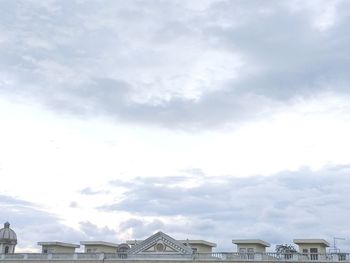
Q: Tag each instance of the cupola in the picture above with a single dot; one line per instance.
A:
(8, 239)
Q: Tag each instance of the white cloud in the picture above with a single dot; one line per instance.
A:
(255, 207)
(323, 14)
(92, 92)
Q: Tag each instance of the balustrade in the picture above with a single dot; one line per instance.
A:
(215, 256)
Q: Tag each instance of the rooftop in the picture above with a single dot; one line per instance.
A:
(56, 243)
(98, 243)
(199, 242)
(250, 241)
(311, 241)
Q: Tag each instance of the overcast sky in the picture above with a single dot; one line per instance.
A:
(205, 119)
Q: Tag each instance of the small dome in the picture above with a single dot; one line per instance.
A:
(7, 235)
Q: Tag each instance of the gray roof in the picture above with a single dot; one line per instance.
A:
(57, 243)
(251, 241)
(311, 241)
(98, 243)
(7, 235)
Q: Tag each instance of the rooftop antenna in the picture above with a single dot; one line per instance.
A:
(335, 249)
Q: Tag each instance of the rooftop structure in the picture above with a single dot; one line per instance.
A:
(199, 246)
(312, 247)
(311, 241)
(250, 245)
(8, 239)
(162, 248)
(99, 246)
(250, 241)
(57, 247)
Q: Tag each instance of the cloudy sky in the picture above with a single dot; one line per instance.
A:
(205, 119)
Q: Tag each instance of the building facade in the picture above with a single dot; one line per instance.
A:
(162, 248)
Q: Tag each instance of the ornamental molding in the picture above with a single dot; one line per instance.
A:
(160, 237)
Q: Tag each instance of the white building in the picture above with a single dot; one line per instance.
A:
(57, 247)
(250, 245)
(312, 247)
(197, 246)
(99, 247)
(162, 248)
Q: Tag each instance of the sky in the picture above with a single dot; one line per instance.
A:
(204, 119)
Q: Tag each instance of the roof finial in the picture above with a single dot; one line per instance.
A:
(7, 225)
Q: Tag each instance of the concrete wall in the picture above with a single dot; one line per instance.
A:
(99, 248)
(11, 248)
(321, 249)
(256, 247)
(57, 249)
(201, 248)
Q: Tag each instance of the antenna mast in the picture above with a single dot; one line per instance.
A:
(335, 249)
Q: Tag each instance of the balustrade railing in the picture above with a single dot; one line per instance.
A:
(215, 256)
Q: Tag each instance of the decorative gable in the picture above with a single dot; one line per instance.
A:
(160, 243)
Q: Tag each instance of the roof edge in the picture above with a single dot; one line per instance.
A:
(251, 241)
(57, 243)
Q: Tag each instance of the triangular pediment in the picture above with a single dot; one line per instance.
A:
(160, 243)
